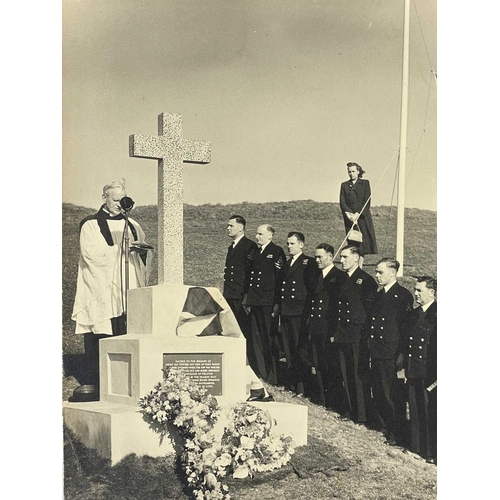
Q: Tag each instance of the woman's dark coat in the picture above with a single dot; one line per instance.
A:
(352, 199)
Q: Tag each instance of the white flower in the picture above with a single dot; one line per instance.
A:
(223, 461)
(251, 418)
(241, 472)
(208, 456)
(247, 443)
(204, 425)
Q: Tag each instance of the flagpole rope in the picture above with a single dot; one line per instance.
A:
(426, 173)
(390, 208)
(424, 130)
(423, 39)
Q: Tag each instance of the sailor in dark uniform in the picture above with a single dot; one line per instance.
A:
(354, 301)
(298, 277)
(385, 331)
(236, 271)
(420, 360)
(320, 320)
(261, 301)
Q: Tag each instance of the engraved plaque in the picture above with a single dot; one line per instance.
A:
(203, 369)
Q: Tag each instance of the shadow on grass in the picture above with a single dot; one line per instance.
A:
(87, 476)
(317, 456)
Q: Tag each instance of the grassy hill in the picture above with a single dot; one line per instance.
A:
(343, 460)
(206, 242)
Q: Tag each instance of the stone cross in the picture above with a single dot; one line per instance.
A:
(171, 151)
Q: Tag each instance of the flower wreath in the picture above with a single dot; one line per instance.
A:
(246, 445)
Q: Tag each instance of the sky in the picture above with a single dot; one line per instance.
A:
(287, 92)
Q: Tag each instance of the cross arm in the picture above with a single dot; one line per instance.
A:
(146, 146)
(196, 151)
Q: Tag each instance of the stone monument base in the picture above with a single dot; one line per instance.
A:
(116, 430)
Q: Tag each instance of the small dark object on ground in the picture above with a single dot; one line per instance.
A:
(84, 394)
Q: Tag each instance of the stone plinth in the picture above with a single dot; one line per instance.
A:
(165, 323)
(115, 430)
(131, 365)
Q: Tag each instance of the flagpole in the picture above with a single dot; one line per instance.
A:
(402, 140)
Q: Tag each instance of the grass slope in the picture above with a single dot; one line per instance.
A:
(342, 460)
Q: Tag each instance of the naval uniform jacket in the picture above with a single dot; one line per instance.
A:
(237, 268)
(385, 328)
(265, 275)
(320, 311)
(298, 280)
(354, 302)
(421, 343)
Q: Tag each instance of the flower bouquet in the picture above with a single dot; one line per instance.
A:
(246, 446)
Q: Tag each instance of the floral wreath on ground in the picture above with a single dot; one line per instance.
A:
(246, 445)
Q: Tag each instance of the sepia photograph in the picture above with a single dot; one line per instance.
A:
(249, 249)
(241, 198)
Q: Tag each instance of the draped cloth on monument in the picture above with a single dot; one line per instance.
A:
(205, 312)
(101, 273)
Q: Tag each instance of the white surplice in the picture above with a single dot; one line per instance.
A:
(101, 280)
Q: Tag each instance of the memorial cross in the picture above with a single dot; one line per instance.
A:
(171, 151)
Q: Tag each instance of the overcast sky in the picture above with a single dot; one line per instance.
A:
(287, 92)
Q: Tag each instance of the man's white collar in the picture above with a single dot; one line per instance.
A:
(426, 306)
(350, 273)
(235, 242)
(326, 270)
(264, 246)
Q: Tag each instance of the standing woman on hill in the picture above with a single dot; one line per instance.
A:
(354, 193)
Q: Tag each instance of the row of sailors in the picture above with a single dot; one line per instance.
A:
(343, 340)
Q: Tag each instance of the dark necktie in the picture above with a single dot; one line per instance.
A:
(320, 280)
